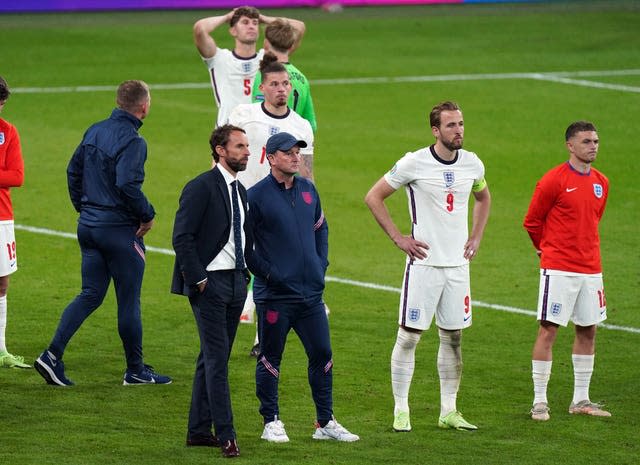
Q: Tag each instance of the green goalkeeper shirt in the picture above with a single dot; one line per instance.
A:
(300, 99)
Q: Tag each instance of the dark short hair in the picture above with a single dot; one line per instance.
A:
(270, 64)
(577, 127)
(221, 136)
(248, 11)
(132, 94)
(4, 90)
(280, 34)
(434, 116)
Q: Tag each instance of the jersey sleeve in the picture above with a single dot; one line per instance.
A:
(240, 115)
(306, 110)
(402, 173)
(12, 173)
(256, 94)
(543, 199)
(479, 182)
(308, 138)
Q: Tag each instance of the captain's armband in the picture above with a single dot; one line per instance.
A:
(478, 185)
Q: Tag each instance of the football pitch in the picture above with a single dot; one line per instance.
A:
(520, 72)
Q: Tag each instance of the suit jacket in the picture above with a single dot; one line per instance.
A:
(201, 228)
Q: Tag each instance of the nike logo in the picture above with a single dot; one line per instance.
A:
(572, 189)
(53, 359)
(144, 380)
(466, 318)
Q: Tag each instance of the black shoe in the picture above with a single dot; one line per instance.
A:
(255, 351)
(230, 449)
(203, 441)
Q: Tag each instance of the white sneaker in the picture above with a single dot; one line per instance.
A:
(274, 432)
(249, 309)
(540, 411)
(334, 430)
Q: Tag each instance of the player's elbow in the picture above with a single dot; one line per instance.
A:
(370, 199)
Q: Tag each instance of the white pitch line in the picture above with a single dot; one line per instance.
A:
(557, 76)
(584, 83)
(350, 282)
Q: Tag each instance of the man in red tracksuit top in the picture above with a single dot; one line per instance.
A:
(11, 175)
(562, 221)
(289, 261)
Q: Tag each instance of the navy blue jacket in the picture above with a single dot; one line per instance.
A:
(290, 236)
(106, 173)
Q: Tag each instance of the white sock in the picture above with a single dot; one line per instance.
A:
(449, 369)
(402, 365)
(582, 370)
(3, 323)
(541, 372)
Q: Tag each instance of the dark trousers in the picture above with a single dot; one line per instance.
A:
(108, 252)
(310, 323)
(217, 312)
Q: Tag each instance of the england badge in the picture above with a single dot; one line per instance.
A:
(449, 178)
(597, 190)
(246, 67)
(1, 138)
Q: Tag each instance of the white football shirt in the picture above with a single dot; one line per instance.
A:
(259, 126)
(231, 79)
(438, 195)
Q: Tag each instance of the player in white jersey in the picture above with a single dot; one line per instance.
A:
(439, 181)
(262, 120)
(232, 71)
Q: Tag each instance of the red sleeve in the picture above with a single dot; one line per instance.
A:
(12, 170)
(544, 197)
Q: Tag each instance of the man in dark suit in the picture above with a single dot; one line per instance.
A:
(209, 240)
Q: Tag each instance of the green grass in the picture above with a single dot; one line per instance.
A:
(515, 125)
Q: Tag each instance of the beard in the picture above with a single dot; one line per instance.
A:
(452, 144)
(237, 165)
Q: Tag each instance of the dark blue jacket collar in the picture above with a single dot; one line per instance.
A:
(119, 113)
(279, 184)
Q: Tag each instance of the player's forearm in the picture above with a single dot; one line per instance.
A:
(211, 23)
(481, 210)
(382, 216)
(306, 168)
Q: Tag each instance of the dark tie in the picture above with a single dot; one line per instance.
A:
(237, 233)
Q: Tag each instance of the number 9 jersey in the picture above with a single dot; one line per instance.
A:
(438, 197)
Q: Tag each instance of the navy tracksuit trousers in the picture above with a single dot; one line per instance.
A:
(309, 321)
(108, 252)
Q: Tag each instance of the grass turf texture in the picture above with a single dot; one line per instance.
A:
(515, 125)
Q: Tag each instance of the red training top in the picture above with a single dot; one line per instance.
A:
(563, 218)
(11, 167)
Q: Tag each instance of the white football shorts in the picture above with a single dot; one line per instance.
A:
(440, 291)
(565, 296)
(8, 257)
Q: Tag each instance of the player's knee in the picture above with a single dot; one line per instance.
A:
(450, 338)
(407, 339)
